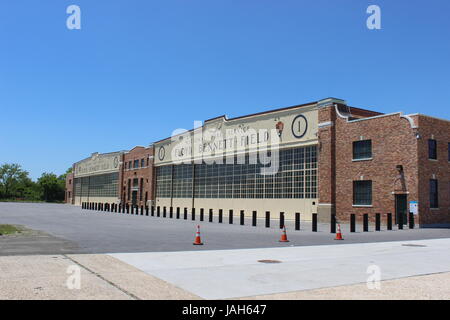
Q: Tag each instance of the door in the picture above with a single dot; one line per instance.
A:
(134, 198)
(401, 208)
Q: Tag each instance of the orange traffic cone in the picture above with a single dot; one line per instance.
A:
(339, 233)
(198, 240)
(284, 236)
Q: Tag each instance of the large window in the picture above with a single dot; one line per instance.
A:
(362, 149)
(432, 149)
(362, 193)
(296, 178)
(448, 151)
(434, 202)
(104, 185)
(164, 181)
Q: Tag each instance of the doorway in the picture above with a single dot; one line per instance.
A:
(134, 198)
(401, 206)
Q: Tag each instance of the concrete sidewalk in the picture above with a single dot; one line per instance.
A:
(224, 274)
(44, 277)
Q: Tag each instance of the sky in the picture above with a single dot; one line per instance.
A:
(139, 69)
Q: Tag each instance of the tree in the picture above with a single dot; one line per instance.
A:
(13, 181)
(52, 187)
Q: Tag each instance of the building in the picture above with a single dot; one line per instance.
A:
(136, 177)
(221, 164)
(96, 179)
(385, 163)
(323, 157)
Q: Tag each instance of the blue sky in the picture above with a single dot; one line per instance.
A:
(138, 69)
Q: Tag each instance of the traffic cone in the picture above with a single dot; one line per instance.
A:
(284, 236)
(339, 233)
(198, 240)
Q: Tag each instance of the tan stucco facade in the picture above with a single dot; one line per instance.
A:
(220, 137)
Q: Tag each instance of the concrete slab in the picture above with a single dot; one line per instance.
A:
(44, 277)
(221, 274)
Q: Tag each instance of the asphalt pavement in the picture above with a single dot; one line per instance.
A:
(87, 231)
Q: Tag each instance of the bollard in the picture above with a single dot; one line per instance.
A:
(210, 215)
(158, 211)
(314, 222)
(297, 221)
(254, 219)
(389, 221)
(170, 212)
(132, 209)
(400, 221)
(178, 212)
(352, 222)
(193, 214)
(242, 218)
(220, 215)
(146, 211)
(164, 212)
(95, 206)
(365, 222)
(333, 224)
(267, 219)
(377, 222)
(411, 220)
(142, 210)
(230, 216)
(152, 211)
(185, 214)
(281, 220)
(202, 212)
(120, 207)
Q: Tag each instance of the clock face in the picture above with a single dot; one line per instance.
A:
(161, 153)
(299, 126)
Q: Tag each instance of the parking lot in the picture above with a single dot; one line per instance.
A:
(70, 229)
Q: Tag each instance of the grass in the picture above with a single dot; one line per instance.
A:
(9, 229)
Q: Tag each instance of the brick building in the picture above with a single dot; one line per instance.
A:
(69, 188)
(383, 163)
(322, 157)
(136, 176)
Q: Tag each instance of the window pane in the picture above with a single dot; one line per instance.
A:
(362, 192)
(362, 149)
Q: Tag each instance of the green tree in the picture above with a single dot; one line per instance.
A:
(52, 187)
(14, 181)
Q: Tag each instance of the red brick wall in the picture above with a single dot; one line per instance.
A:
(393, 143)
(145, 173)
(69, 188)
(439, 130)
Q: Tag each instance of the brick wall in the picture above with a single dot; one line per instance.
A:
(144, 174)
(439, 130)
(393, 143)
(69, 188)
